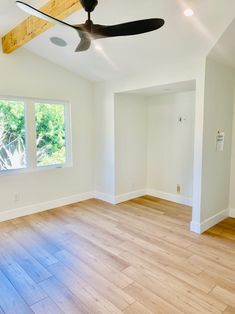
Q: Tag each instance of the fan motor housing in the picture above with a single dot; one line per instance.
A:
(89, 5)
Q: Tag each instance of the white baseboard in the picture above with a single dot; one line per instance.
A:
(129, 196)
(109, 198)
(170, 197)
(40, 207)
(209, 222)
(112, 199)
(232, 212)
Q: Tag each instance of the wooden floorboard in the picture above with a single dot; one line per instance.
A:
(136, 257)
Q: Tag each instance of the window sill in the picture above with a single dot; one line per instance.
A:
(15, 172)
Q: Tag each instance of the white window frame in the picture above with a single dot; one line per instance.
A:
(30, 133)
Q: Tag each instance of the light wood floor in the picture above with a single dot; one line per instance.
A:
(135, 258)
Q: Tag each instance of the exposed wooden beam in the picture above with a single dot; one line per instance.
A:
(33, 26)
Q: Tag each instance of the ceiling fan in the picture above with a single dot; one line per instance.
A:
(89, 31)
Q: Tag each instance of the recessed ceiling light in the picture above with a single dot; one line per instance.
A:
(58, 41)
(98, 47)
(188, 12)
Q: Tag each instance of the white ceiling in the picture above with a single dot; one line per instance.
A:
(180, 38)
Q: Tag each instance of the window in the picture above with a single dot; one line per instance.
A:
(12, 135)
(50, 134)
(34, 134)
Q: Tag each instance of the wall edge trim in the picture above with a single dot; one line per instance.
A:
(232, 212)
(180, 199)
(40, 207)
(129, 196)
(209, 222)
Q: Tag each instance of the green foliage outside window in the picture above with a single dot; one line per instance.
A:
(50, 130)
(50, 134)
(12, 135)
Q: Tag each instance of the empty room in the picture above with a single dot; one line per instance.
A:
(117, 156)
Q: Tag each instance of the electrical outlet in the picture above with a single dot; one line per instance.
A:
(17, 197)
(178, 188)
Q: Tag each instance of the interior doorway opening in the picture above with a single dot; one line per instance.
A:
(154, 142)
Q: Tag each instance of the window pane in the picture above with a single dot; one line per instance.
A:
(50, 132)
(12, 135)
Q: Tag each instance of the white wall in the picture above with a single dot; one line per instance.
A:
(104, 165)
(130, 143)
(171, 145)
(153, 152)
(218, 114)
(164, 74)
(232, 177)
(24, 74)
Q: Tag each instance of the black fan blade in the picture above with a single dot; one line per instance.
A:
(85, 42)
(126, 29)
(32, 11)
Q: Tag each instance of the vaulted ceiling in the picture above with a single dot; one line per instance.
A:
(181, 37)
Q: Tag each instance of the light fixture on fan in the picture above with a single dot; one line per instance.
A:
(188, 12)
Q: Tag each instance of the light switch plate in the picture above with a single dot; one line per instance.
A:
(220, 141)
